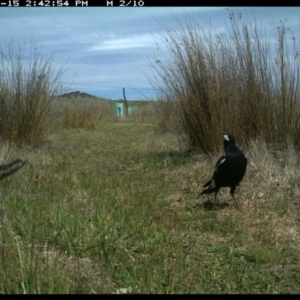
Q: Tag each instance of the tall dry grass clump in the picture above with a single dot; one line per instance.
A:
(235, 82)
(83, 113)
(28, 85)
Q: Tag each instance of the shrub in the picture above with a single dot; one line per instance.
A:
(82, 113)
(27, 90)
(229, 83)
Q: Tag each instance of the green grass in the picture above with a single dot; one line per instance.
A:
(97, 210)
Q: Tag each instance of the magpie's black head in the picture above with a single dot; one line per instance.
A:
(228, 140)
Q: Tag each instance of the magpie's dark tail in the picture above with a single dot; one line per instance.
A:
(207, 184)
(11, 168)
(208, 191)
(209, 187)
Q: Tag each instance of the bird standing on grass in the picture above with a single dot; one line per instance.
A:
(11, 168)
(230, 169)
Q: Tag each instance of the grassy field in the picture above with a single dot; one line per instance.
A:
(117, 207)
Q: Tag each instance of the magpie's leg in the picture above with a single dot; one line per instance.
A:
(216, 192)
(232, 194)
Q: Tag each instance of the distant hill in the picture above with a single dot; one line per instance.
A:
(81, 95)
(86, 96)
(77, 94)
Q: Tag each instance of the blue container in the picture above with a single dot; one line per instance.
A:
(130, 111)
(119, 110)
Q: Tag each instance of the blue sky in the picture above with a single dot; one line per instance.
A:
(107, 48)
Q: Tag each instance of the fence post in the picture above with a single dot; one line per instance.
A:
(126, 107)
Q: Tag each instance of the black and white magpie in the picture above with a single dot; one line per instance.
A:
(230, 169)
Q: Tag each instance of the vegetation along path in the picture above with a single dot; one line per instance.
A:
(97, 210)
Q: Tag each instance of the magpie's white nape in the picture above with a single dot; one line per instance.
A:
(225, 137)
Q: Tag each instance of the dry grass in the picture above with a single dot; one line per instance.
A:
(26, 95)
(116, 207)
(234, 83)
(82, 113)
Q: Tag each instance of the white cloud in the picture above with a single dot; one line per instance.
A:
(106, 45)
(136, 41)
